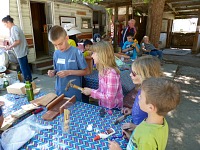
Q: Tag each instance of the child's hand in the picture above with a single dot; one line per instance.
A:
(127, 134)
(63, 73)
(113, 145)
(51, 73)
(130, 48)
(87, 91)
(126, 111)
(134, 44)
(128, 126)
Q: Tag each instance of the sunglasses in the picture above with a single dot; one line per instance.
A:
(133, 73)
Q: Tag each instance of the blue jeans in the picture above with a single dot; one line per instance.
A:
(24, 66)
(156, 53)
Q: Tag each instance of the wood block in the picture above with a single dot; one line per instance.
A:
(57, 107)
(55, 102)
(50, 115)
(44, 100)
(7, 122)
(19, 113)
(67, 104)
(29, 107)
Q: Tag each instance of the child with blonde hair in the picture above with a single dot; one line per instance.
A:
(142, 68)
(158, 97)
(109, 92)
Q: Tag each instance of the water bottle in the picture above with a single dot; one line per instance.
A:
(5, 83)
(29, 91)
(19, 76)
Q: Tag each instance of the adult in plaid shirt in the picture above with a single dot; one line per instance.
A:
(109, 92)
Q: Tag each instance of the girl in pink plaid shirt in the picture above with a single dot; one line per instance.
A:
(109, 92)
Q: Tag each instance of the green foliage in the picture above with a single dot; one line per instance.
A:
(137, 1)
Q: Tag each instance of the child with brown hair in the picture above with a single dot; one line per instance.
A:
(68, 62)
(158, 97)
(109, 92)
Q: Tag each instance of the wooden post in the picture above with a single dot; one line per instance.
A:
(196, 44)
(127, 14)
(169, 31)
(154, 20)
(115, 28)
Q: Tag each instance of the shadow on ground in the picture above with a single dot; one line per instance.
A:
(184, 122)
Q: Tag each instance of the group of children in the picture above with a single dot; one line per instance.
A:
(134, 50)
(156, 95)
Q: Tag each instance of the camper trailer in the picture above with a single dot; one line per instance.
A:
(36, 17)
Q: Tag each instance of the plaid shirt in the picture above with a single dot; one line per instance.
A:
(109, 92)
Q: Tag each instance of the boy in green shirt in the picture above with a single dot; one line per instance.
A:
(158, 97)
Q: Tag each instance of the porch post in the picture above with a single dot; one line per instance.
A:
(196, 43)
(115, 28)
(20, 15)
(127, 15)
(154, 20)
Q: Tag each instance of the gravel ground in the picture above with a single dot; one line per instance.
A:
(184, 122)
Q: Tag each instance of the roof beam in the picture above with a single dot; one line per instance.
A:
(178, 1)
(188, 13)
(173, 9)
(111, 5)
(186, 16)
(188, 7)
(186, 3)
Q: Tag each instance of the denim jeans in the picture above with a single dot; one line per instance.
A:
(24, 66)
(156, 53)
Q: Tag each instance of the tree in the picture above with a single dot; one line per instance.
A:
(154, 21)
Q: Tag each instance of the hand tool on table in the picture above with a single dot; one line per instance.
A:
(70, 84)
(118, 120)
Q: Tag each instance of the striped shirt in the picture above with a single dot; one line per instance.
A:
(109, 92)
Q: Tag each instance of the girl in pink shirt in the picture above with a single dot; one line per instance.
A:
(109, 92)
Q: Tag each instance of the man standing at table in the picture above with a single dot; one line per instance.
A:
(129, 29)
(68, 61)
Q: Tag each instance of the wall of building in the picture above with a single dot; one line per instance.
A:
(60, 9)
(25, 24)
(73, 10)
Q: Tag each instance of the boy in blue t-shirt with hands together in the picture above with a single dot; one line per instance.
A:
(131, 47)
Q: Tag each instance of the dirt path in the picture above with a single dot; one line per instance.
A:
(184, 122)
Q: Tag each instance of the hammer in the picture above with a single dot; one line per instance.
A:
(70, 84)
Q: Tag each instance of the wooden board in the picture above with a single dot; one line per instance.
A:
(44, 100)
(57, 107)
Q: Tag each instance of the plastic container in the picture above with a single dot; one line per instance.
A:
(105, 135)
(5, 83)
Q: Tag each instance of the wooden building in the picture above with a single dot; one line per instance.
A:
(36, 17)
(158, 15)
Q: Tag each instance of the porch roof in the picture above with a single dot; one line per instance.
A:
(180, 8)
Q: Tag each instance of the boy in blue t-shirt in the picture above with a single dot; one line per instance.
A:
(152, 133)
(68, 62)
(130, 47)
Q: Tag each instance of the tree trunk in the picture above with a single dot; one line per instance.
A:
(154, 21)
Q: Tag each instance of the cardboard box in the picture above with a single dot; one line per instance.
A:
(18, 88)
